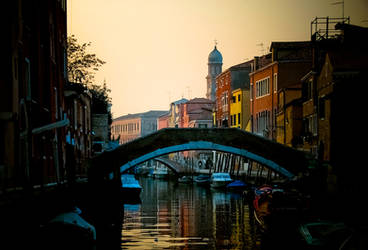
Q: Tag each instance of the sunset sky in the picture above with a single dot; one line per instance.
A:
(156, 51)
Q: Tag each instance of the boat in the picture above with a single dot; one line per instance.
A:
(261, 204)
(237, 186)
(160, 173)
(275, 207)
(68, 230)
(325, 233)
(220, 180)
(185, 179)
(202, 179)
(130, 186)
(142, 170)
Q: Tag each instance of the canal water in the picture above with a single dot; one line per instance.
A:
(173, 215)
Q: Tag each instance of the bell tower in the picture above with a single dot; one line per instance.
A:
(214, 69)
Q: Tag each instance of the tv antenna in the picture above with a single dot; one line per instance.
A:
(342, 3)
(262, 47)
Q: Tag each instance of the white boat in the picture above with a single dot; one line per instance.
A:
(130, 185)
(220, 180)
(69, 230)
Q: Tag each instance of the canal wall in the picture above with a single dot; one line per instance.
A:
(23, 215)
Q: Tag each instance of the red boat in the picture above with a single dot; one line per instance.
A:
(275, 207)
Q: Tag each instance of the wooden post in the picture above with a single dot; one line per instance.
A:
(227, 162)
(261, 173)
(220, 162)
(240, 162)
(217, 162)
(232, 166)
(250, 166)
(269, 173)
(225, 166)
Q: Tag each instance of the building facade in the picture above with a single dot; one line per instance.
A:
(233, 78)
(197, 113)
(32, 113)
(163, 121)
(290, 62)
(239, 108)
(79, 132)
(176, 113)
(130, 127)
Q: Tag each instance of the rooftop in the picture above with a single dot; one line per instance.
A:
(151, 113)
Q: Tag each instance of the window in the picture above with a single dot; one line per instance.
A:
(275, 82)
(225, 102)
(239, 118)
(262, 122)
(52, 38)
(28, 79)
(233, 99)
(321, 107)
(238, 98)
(308, 90)
(311, 124)
(263, 87)
(251, 91)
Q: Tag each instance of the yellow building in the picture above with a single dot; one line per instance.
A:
(239, 108)
(289, 117)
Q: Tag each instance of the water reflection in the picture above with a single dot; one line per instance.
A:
(185, 216)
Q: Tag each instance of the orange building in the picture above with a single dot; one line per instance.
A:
(290, 62)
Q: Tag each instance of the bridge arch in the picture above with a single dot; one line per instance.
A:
(284, 160)
(168, 163)
(205, 145)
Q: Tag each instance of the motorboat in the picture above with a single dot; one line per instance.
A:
(237, 186)
(325, 233)
(130, 186)
(220, 180)
(202, 179)
(185, 179)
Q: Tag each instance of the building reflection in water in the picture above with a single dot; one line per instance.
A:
(185, 216)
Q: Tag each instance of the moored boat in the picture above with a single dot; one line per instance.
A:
(220, 180)
(160, 173)
(202, 179)
(68, 230)
(186, 179)
(274, 207)
(325, 233)
(130, 186)
(237, 186)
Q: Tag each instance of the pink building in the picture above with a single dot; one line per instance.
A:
(197, 113)
(163, 121)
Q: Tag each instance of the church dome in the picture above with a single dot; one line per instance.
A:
(215, 56)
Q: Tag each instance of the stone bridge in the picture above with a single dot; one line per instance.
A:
(173, 165)
(281, 159)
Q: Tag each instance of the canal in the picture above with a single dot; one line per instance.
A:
(174, 215)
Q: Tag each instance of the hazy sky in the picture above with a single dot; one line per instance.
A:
(156, 51)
